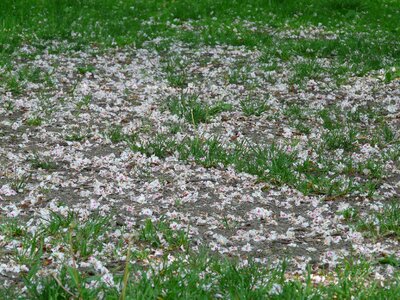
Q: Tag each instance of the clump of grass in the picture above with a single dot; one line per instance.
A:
(253, 106)
(83, 69)
(13, 85)
(193, 110)
(116, 135)
(9, 106)
(75, 137)
(175, 69)
(270, 163)
(19, 184)
(295, 112)
(174, 128)
(38, 163)
(159, 234)
(305, 71)
(34, 121)
(329, 120)
(384, 223)
(349, 214)
(386, 134)
(160, 146)
(392, 74)
(84, 102)
(377, 224)
(206, 152)
(340, 139)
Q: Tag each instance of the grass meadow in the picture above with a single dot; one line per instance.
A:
(210, 149)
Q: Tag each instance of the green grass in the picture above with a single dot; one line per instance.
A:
(367, 42)
(116, 135)
(273, 164)
(106, 22)
(152, 232)
(34, 121)
(384, 223)
(45, 164)
(195, 111)
(75, 137)
(253, 106)
(344, 132)
(376, 224)
(190, 275)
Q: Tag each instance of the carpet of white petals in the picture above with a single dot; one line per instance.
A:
(231, 213)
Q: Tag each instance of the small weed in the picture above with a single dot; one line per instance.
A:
(30, 74)
(237, 76)
(387, 133)
(390, 260)
(206, 152)
(174, 128)
(295, 112)
(115, 134)
(329, 120)
(12, 229)
(178, 79)
(305, 71)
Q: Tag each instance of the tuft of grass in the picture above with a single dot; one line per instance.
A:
(116, 135)
(38, 163)
(9, 106)
(376, 224)
(160, 234)
(253, 106)
(340, 139)
(84, 102)
(384, 223)
(19, 184)
(160, 146)
(13, 85)
(75, 137)
(206, 152)
(392, 74)
(86, 69)
(193, 110)
(34, 121)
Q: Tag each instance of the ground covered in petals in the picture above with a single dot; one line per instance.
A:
(204, 156)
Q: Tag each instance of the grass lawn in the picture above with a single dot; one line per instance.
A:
(184, 149)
